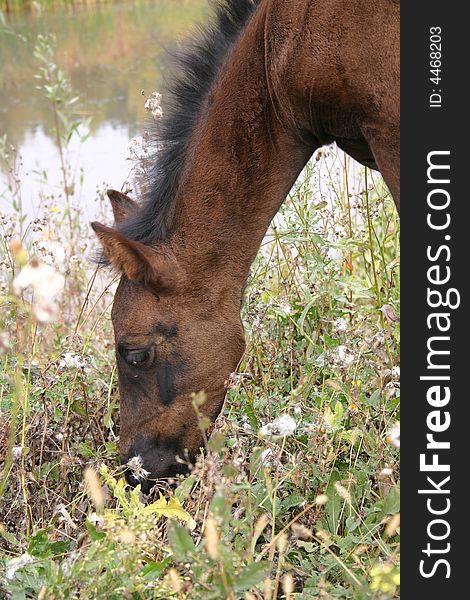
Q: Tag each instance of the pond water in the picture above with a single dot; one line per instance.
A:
(113, 55)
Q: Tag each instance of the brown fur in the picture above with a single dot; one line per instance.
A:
(300, 74)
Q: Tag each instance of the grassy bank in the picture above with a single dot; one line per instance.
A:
(297, 494)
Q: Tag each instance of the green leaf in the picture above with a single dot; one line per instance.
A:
(171, 509)
(153, 569)
(181, 542)
(184, 489)
(290, 502)
(216, 442)
(93, 532)
(251, 576)
(9, 537)
(334, 503)
(40, 545)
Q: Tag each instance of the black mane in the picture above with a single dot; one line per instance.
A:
(196, 67)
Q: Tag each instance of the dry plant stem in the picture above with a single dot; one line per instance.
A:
(378, 295)
(64, 175)
(15, 410)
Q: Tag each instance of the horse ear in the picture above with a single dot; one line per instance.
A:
(154, 267)
(121, 204)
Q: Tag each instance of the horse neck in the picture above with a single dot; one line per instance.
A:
(242, 163)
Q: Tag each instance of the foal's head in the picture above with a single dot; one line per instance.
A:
(177, 332)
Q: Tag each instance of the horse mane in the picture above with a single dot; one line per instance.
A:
(196, 65)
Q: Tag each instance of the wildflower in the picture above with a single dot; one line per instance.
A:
(70, 360)
(321, 499)
(96, 520)
(334, 254)
(17, 453)
(245, 423)
(344, 356)
(394, 435)
(385, 578)
(41, 277)
(284, 425)
(46, 284)
(396, 373)
(286, 309)
(135, 465)
(137, 148)
(340, 324)
(153, 105)
(50, 251)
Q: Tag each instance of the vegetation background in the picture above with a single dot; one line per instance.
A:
(297, 492)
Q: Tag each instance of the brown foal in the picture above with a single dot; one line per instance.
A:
(266, 84)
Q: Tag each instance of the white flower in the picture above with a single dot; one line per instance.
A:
(17, 452)
(344, 356)
(153, 104)
(44, 280)
(97, 520)
(284, 425)
(286, 309)
(340, 324)
(46, 284)
(50, 251)
(396, 373)
(394, 435)
(70, 360)
(334, 254)
(137, 149)
(45, 311)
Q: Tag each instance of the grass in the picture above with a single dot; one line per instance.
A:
(305, 507)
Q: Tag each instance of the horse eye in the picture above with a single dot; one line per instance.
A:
(136, 357)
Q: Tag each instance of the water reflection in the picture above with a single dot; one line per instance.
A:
(110, 53)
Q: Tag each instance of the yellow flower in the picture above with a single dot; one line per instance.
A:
(385, 578)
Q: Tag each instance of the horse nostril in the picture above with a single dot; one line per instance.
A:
(131, 480)
(150, 459)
